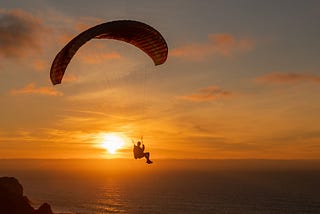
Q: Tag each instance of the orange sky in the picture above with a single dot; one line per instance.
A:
(238, 83)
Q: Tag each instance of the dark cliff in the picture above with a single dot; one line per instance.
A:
(12, 200)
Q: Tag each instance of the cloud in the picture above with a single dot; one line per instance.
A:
(85, 22)
(32, 89)
(65, 27)
(207, 94)
(99, 58)
(40, 65)
(70, 78)
(19, 33)
(287, 78)
(217, 44)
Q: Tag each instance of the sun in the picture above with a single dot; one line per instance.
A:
(112, 142)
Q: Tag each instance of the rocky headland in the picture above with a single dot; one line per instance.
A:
(12, 200)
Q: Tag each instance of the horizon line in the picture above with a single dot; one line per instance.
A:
(169, 159)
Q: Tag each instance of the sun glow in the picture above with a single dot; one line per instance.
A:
(112, 142)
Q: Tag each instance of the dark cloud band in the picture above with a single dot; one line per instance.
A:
(19, 33)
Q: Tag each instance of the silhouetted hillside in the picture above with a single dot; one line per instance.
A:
(12, 200)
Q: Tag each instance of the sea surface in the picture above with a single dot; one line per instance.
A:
(169, 186)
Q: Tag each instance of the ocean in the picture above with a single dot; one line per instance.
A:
(169, 186)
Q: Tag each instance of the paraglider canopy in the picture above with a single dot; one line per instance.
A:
(136, 33)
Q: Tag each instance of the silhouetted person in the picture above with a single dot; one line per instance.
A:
(138, 152)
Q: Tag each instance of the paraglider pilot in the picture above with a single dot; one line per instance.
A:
(138, 152)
